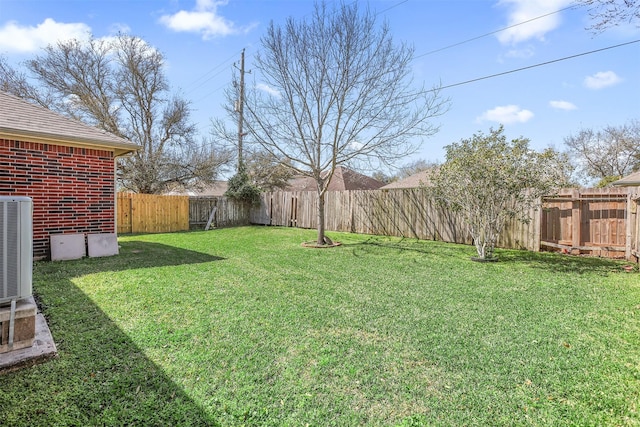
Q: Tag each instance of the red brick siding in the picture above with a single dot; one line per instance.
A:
(72, 188)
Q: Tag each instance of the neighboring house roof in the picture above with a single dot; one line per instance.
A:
(216, 189)
(632, 180)
(22, 120)
(343, 179)
(414, 181)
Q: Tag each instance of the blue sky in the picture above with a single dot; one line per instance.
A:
(202, 39)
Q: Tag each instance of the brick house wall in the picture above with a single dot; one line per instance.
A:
(72, 188)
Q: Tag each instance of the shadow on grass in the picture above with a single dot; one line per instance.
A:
(427, 247)
(101, 377)
(548, 261)
(133, 255)
(562, 263)
(140, 254)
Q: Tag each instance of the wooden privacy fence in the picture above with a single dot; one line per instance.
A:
(217, 212)
(591, 221)
(601, 222)
(397, 212)
(150, 213)
(634, 220)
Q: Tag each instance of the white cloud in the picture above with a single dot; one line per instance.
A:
(527, 10)
(268, 89)
(525, 53)
(563, 105)
(601, 80)
(119, 28)
(506, 114)
(204, 19)
(22, 39)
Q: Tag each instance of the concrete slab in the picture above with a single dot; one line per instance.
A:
(67, 246)
(43, 349)
(103, 244)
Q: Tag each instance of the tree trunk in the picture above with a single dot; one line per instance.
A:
(321, 236)
(480, 246)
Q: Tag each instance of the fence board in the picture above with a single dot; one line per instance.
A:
(261, 214)
(600, 222)
(123, 209)
(633, 232)
(150, 213)
(411, 213)
(229, 212)
(398, 212)
(591, 221)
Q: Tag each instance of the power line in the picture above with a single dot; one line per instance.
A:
(537, 65)
(470, 40)
(213, 91)
(493, 32)
(207, 80)
(222, 64)
(391, 7)
(193, 88)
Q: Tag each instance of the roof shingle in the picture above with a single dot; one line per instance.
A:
(631, 180)
(343, 179)
(414, 181)
(20, 119)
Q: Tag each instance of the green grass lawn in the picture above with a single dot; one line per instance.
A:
(244, 326)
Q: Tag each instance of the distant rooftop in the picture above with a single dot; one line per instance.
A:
(216, 189)
(414, 181)
(632, 180)
(343, 179)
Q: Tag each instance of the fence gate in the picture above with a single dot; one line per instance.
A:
(593, 222)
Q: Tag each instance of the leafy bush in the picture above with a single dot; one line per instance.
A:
(490, 180)
(241, 188)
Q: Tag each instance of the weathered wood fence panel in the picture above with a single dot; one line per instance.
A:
(229, 212)
(150, 213)
(405, 213)
(593, 221)
(602, 222)
(633, 232)
(397, 212)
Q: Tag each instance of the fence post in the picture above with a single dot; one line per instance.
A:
(634, 226)
(576, 220)
(537, 226)
(629, 224)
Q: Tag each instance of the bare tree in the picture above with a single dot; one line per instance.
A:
(119, 85)
(414, 167)
(335, 89)
(17, 83)
(383, 177)
(608, 154)
(610, 13)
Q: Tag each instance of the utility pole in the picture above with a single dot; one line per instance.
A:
(240, 111)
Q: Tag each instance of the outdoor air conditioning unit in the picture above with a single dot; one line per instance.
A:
(16, 248)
